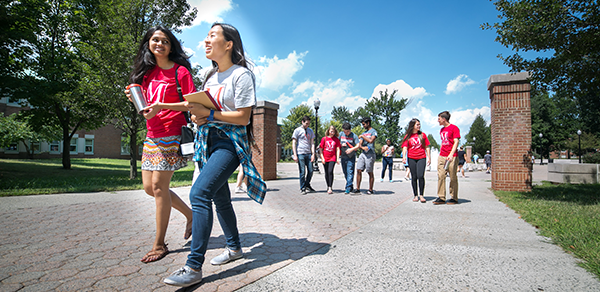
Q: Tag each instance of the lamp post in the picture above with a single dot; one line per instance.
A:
(541, 156)
(579, 153)
(474, 139)
(317, 103)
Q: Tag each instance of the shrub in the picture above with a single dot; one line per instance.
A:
(591, 158)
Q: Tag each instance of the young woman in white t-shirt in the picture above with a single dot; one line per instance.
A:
(221, 145)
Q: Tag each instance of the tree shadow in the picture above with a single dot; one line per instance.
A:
(582, 194)
(265, 250)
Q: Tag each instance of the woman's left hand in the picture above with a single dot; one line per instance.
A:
(198, 110)
(151, 110)
(198, 121)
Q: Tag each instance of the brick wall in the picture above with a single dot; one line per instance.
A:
(265, 135)
(511, 131)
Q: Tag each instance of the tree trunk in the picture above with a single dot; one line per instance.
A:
(133, 155)
(66, 154)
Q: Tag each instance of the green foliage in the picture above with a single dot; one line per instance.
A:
(432, 142)
(569, 214)
(593, 158)
(293, 121)
(385, 115)
(482, 134)
(567, 37)
(13, 131)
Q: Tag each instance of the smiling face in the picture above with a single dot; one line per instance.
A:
(160, 45)
(217, 47)
(417, 127)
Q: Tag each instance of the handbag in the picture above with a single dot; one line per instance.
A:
(186, 143)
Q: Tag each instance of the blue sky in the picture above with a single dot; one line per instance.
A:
(345, 52)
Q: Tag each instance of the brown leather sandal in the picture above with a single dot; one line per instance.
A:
(155, 255)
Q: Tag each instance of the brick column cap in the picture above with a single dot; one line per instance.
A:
(508, 78)
(267, 104)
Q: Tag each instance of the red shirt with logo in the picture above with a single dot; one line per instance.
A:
(448, 134)
(329, 145)
(416, 150)
(160, 86)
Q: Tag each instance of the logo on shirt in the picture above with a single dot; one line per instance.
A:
(415, 143)
(157, 90)
(217, 93)
(444, 137)
(329, 146)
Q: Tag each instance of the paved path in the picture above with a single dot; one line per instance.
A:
(317, 242)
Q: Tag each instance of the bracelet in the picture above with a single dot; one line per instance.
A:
(211, 116)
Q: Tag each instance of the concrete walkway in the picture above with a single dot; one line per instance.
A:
(317, 242)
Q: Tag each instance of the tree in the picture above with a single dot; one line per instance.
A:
(343, 115)
(385, 116)
(293, 121)
(14, 130)
(482, 134)
(432, 142)
(567, 35)
(112, 36)
(45, 72)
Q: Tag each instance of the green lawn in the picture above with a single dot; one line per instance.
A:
(33, 177)
(569, 214)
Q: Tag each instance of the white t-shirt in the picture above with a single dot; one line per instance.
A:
(232, 89)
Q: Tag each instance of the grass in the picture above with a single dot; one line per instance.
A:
(569, 214)
(35, 177)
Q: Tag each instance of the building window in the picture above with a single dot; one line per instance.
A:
(89, 146)
(13, 147)
(73, 146)
(35, 146)
(124, 145)
(55, 147)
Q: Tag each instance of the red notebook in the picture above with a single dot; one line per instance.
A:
(204, 98)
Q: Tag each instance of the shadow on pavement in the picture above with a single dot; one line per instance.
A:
(265, 250)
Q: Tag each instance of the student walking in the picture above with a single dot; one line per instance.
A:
(303, 146)
(159, 65)
(348, 140)
(330, 155)
(222, 144)
(387, 161)
(416, 152)
(447, 161)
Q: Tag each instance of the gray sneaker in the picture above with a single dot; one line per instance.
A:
(227, 256)
(184, 277)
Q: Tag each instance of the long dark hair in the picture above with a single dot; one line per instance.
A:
(145, 60)
(409, 131)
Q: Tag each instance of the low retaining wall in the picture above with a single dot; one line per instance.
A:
(574, 173)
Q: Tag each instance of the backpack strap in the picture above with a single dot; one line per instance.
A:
(185, 114)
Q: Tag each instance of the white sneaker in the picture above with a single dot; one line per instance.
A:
(381, 180)
(227, 256)
(184, 277)
(240, 190)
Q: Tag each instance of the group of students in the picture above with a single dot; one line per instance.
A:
(342, 148)
(221, 143)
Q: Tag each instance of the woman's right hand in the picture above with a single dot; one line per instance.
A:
(128, 94)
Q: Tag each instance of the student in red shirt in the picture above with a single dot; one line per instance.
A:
(159, 57)
(448, 160)
(330, 155)
(415, 151)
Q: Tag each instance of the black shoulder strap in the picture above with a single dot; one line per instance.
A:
(185, 114)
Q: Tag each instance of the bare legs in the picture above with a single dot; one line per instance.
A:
(156, 184)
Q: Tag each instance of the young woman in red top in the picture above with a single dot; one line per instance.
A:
(330, 155)
(415, 149)
(159, 56)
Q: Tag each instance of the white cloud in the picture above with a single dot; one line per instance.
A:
(274, 73)
(404, 91)
(188, 51)
(459, 83)
(283, 101)
(304, 86)
(210, 11)
(332, 93)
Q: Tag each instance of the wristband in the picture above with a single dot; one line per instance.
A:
(211, 116)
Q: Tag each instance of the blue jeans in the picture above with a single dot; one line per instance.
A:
(211, 186)
(348, 169)
(387, 164)
(304, 164)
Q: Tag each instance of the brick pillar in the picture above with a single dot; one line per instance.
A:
(511, 131)
(265, 134)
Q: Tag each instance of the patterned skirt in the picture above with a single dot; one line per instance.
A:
(162, 154)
